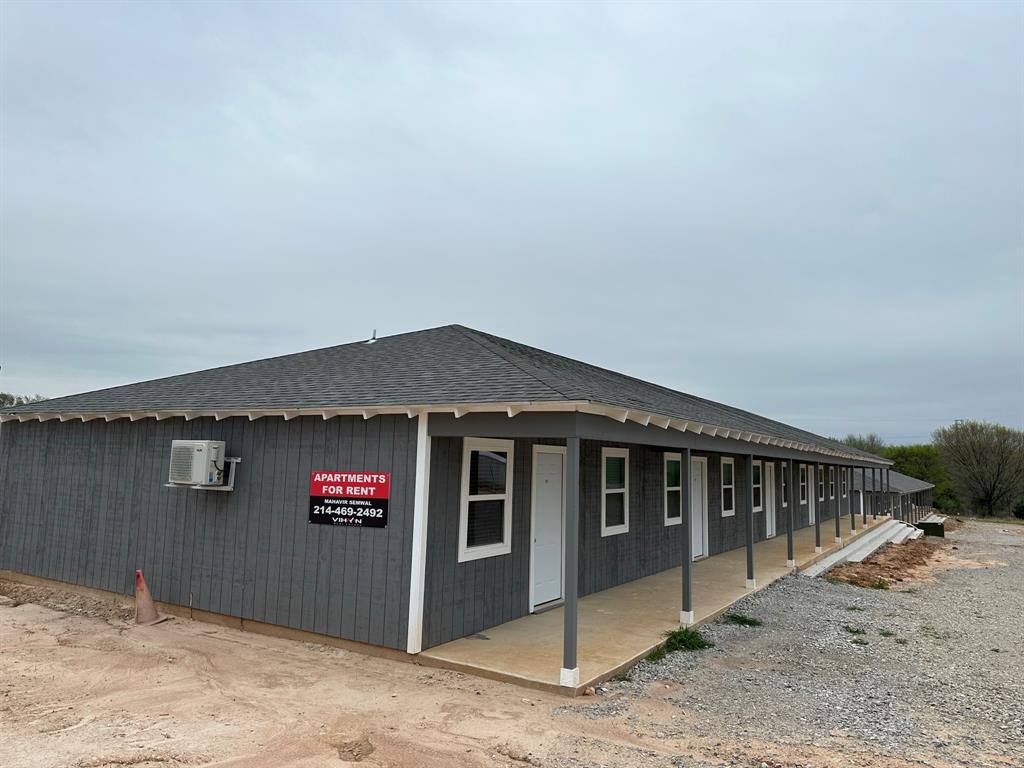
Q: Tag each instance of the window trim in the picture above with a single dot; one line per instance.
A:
(831, 482)
(820, 476)
(722, 486)
(614, 530)
(666, 487)
(843, 480)
(804, 481)
(759, 485)
(469, 445)
(784, 471)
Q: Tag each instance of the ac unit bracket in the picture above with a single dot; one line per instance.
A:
(228, 486)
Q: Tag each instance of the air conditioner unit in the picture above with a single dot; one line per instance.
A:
(197, 462)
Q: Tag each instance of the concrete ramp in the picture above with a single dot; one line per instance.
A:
(892, 531)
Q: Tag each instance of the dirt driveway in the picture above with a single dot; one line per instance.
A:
(82, 687)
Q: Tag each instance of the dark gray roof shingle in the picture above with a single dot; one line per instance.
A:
(447, 365)
(899, 482)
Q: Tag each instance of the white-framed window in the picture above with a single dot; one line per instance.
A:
(803, 483)
(821, 483)
(756, 490)
(728, 487)
(614, 491)
(673, 488)
(831, 482)
(843, 477)
(485, 515)
(784, 468)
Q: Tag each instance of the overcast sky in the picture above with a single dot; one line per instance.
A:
(812, 211)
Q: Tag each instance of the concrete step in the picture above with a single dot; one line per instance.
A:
(890, 531)
(868, 543)
(916, 534)
(902, 535)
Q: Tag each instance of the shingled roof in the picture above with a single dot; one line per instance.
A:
(899, 483)
(450, 366)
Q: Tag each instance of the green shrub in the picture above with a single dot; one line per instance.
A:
(854, 630)
(741, 619)
(680, 640)
(879, 584)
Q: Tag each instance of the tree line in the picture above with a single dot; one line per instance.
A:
(976, 467)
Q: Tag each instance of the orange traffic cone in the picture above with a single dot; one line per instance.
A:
(145, 608)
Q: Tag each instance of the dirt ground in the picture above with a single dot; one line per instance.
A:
(81, 686)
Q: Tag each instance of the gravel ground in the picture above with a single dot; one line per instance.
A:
(936, 677)
(929, 674)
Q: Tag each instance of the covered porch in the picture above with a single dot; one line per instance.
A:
(618, 626)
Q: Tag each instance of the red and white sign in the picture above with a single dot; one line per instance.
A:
(366, 485)
(349, 498)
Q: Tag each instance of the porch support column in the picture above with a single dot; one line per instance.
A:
(686, 612)
(874, 501)
(838, 511)
(888, 495)
(849, 498)
(813, 470)
(791, 503)
(570, 674)
(751, 581)
(863, 495)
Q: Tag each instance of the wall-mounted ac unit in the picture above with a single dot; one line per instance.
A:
(197, 462)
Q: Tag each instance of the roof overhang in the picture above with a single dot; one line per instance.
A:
(512, 409)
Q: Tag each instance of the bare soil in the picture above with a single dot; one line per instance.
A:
(902, 566)
(82, 686)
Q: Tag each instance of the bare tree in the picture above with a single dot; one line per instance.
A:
(871, 442)
(7, 399)
(985, 462)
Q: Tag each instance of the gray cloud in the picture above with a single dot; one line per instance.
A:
(811, 211)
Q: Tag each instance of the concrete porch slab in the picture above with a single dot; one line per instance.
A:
(619, 626)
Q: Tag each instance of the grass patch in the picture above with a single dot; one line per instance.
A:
(887, 633)
(854, 608)
(901, 641)
(936, 634)
(879, 584)
(854, 630)
(680, 640)
(741, 619)
(859, 641)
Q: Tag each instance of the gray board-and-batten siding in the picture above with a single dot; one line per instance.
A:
(85, 503)
(466, 598)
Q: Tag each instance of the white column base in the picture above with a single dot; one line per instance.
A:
(569, 678)
(791, 563)
(817, 550)
(839, 539)
(686, 618)
(751, 583)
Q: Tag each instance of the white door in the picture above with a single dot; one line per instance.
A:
(769, 499)
(548, 506)
(699, 506)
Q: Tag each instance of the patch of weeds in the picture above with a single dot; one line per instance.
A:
(741, 619)
(936, 634)
(833, 580)
(680, 640)
(910, 591)
(622, 677)
(887, 633)
(859, 641)
(854, 630)
(854, 608)
(901, 641)
(879, 584)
